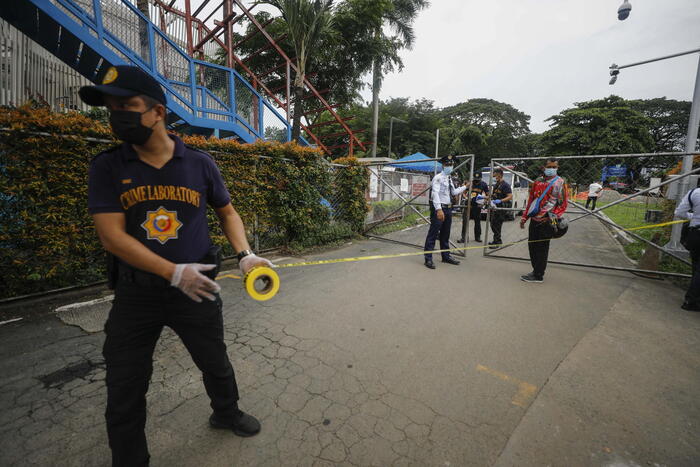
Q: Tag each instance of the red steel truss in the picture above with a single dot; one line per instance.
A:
(232, 12)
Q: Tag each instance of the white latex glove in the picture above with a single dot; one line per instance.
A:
(493, 205)
(194, 284)
(249, 262)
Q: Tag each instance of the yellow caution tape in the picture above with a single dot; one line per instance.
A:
(663, 224)
(272, 281)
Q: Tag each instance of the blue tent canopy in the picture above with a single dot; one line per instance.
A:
(417, 166)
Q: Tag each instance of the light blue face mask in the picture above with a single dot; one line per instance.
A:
(550, 172)
(447, 170)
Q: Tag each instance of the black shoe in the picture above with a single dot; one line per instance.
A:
(461, 240)
(429, 264)
(531, 278)
(477, 240)
(451, 261)
(242, 424)
(495, 245)
(687, 306)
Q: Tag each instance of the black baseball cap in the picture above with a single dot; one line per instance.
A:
(123, 81)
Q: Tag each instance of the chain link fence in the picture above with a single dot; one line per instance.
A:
(399, 197)
(622, 227)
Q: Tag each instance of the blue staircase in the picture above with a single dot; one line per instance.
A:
(203, 97)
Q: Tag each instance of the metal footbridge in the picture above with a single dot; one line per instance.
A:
(203, 97)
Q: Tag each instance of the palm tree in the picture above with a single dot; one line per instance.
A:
(307, 22)
(399, 16)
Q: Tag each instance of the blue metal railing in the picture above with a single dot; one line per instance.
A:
(203, 95)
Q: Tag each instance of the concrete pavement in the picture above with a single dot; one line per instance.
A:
(388, 363)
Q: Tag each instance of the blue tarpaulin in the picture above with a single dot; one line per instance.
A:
(417, 166)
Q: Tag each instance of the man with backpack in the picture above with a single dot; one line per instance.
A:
(690, 238)
(546, 204)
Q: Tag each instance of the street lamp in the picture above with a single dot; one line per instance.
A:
(690, 140)
(391, 129)
(624, 11)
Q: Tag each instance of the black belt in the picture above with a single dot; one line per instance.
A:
(130, 275)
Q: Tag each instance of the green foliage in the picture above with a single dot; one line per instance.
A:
(351, 184)
(382, 208)
(669, 121)
(604, 126)
(47, 239)
(307, 22)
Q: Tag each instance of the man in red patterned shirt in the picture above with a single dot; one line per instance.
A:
(547, 199)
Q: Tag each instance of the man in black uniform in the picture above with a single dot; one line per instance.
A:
(478, 192)
(148, 198)
(500, 198)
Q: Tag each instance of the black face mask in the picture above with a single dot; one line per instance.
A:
(126, 125)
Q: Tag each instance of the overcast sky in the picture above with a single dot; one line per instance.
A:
(541, 56)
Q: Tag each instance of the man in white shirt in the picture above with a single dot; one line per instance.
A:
(689, 208)
(441, 194)
(594, 190)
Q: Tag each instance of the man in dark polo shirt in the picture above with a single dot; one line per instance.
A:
(500, 198)
(148, 198)
(479, 190)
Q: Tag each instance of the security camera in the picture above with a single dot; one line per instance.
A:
(614, 72)
(624, 11)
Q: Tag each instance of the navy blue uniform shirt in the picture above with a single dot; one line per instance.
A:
(165, 208)
(501, 190)
(479, 188)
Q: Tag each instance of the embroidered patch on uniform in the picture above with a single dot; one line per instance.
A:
(126, 181)
(161, 225)
(110, 76)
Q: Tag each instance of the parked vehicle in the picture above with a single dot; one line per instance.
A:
(518, 183)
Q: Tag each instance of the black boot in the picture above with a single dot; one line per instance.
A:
(451, 261)
(429, 264)
(241, 424)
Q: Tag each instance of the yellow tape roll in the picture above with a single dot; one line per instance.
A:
(270, 280)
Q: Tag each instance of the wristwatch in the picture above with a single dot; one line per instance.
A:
(244, 253)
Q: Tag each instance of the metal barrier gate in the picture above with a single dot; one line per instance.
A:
(417, 206)
(625, 231)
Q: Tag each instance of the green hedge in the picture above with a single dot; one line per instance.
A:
(47, 239)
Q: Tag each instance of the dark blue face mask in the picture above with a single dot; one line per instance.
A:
(127, 126)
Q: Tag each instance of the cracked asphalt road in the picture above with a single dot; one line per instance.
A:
(385, 363)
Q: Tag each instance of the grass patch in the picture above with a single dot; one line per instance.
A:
(631, 215)
(408, 220)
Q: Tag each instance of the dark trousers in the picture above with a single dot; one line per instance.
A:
(591, 198)
(135, 322)
(538, 237)
(693, 294)
(497, 219)
(439, 229)
(474, 215)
